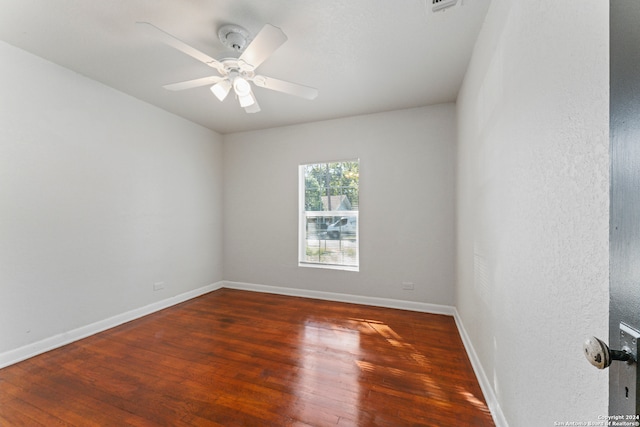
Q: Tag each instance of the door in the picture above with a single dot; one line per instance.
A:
(624, 246)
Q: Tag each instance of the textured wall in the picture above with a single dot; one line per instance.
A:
(533, 206)
(406, 203)
(101, 196)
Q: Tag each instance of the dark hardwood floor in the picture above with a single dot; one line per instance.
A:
(237, 358)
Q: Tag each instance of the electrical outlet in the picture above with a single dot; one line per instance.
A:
(407, 286)
(158, 286)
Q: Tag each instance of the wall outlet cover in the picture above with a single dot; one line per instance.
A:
(408, 286)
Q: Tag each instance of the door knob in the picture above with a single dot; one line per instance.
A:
(600, 356)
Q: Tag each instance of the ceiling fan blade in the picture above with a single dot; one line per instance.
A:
(166, 38)
(253, 108)
(286, 87)
(205, 81)
(263, 45)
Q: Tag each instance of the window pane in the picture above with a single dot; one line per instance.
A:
(331, 240)
(331, 186)
(329, 220)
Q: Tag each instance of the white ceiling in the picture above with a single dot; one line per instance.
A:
(364, 56)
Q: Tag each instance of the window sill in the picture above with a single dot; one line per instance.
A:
(329, 266)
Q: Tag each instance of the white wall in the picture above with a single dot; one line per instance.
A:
(406, 203)
(533, 206)
(101, 196)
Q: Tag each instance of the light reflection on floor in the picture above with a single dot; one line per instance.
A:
(336, 357)
(326, 363)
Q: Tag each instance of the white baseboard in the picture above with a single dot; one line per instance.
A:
(354, 299)
(483, 380)
(19, 354)
(485, 385)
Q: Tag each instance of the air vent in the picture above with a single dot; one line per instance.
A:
(438, 5)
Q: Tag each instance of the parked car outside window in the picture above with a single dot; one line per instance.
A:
(345, 226)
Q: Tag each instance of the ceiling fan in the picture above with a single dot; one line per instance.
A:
(235, 73)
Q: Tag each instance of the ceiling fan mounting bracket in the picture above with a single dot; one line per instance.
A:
(234, 37)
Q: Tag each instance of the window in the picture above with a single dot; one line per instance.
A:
(328, 230)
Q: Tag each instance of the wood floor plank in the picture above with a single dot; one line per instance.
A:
(237, 358)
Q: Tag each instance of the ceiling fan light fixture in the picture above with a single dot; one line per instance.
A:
(221, 89)
(241, 86)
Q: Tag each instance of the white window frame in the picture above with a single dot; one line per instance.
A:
(302, 223)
